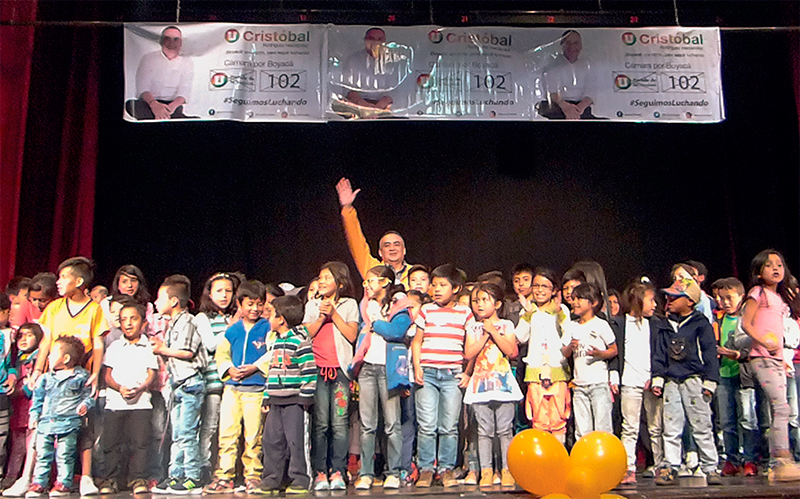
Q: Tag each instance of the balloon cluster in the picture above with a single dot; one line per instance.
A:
(540, 464)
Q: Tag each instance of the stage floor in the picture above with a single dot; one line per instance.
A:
(735, 487)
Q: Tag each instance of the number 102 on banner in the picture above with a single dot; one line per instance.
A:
(683, 82)
(282, 81)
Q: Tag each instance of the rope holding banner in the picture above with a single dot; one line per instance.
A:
(674, 8)
(177, 11)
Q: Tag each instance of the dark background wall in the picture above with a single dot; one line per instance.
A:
(196, 198)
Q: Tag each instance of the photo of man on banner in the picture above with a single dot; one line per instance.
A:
(568, 83)
(371, 77)
(163, 80)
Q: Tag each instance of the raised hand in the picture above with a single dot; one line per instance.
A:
(346, 193)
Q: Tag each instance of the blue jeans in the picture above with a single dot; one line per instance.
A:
(62, 448)
(438, 404)
(185, 456)
(751, 435)
(729, 408)
(330, 428)
(592, 407)
(408, 416)
(373, 398)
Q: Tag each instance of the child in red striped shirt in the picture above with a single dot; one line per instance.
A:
(438, 355)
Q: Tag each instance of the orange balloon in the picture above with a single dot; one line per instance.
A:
(604, 454)
(612, 496)
(582, 483)
(538, 462)
(556, 496)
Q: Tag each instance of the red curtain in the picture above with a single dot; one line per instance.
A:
(16, 46)
(56, 196)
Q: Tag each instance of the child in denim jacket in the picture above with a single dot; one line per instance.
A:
(60, 401)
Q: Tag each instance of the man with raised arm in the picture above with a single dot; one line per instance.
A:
(391, 248)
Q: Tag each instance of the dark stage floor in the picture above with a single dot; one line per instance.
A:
(736, 487)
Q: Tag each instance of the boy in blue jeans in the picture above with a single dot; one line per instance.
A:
(438, 353)
(60, 401)
(186, 360)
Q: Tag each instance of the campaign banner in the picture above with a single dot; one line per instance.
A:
(338, 73)
(220, 71)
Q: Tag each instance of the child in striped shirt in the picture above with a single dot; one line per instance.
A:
(291, 382)
(438, 354)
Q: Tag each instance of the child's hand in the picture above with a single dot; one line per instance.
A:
(526, 303)
(246, 371)
(614, 389)
(727, 352)
(326, 307)
(463, 380)
(158, 345)
(82, 410)
(92, 381)
(594, 352)
(10, 384)
(546, 383)
(264, 409)
(235, 373)
(419, 378)
(657, 391)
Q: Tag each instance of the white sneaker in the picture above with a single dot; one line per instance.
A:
(88, 488)
(685, 471)
(19, 488)
(692, 460)
(363, 483)
(391, 482)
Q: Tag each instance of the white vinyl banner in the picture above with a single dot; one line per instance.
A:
(223, 72)
(316, 73)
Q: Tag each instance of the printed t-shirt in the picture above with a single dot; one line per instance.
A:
(492, 379)
(769, 319)
(595, 333)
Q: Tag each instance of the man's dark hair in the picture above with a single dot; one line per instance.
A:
(494, 277)
(131, 303)
(451, 273)
(180, 287)
(5, 301)
(164, 31)
(80, 266)
(17, 284)
(255, 290)
(44, 282)
(698, 266)
(73, 347)
(290, 308)
(589, 292)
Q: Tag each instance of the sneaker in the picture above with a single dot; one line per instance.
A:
(414, 475)
(294, 490)
(88, 488)
(785, 471)
(487, 477)
(263, 490)
(507, 479)
(650, 472)
(750, 469)
(186, 487)
(700, 473)
(713, 478)
(425, 479)
(449, 479)
(165, 485)
(321, 482)
(337, 482)
(391, 482)
(35, 490)
(685, 471)
(59, 490)
(109, 487)
(151, 484)
(363, 483)
(692, 460)
(497, 479)
(353, 465)
(221, 486)
(630, 478)
(667, 476)
(471, 478)
(19, 488)
(138, 486)
(730, 469)
(251, 484)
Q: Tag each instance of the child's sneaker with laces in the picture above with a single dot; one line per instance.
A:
(321, 482)
(337, 482)
(35, 490)
(59, 489)
(185, 487)
(165, 485)
(87, 487)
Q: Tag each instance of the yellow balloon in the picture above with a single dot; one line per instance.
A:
(538, 462)
(582, 483)
(603, 454)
